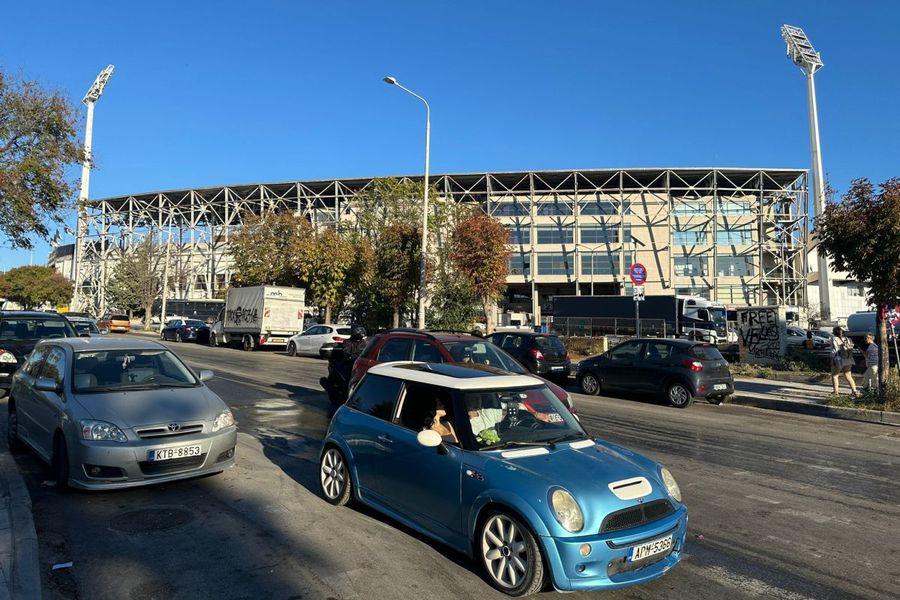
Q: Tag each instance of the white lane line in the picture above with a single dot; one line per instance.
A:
(748, 585)
(761, 499)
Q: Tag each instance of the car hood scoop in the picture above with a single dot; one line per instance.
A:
(145, 407)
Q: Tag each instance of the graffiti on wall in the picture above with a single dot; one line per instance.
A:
(760, 334)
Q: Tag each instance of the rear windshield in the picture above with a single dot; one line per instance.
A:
(549, 342)
(119, 318)
(194, 323)
(343, 331)
(34, 328)
(706, 352)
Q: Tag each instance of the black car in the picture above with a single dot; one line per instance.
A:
(20, 331)
(679, 370)
(185, 330)
(541, 353)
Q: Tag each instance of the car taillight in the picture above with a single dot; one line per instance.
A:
(262, 339)
(338, 339)
(7, 357)
(693, 365)
(536, 354)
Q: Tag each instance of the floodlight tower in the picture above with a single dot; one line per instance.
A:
(93, 94)
(802, 53)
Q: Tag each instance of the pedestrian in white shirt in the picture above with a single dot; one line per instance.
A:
(870, 379)
(841, 360)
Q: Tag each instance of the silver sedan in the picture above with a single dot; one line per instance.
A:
(117, 413)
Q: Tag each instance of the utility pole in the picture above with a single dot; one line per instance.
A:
(802, 53)
(90, 98)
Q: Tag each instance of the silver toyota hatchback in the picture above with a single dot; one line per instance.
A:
(117, 413)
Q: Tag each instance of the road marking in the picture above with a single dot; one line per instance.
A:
(741, 473)
(748, 585)
(812, 516)
(761, 499)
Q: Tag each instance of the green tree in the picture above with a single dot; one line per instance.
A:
(271, 249)
(37, 143)
(137, 278)
(397, 255)
(454, 304)
(861, 235)
(33, 287)
(479, 253)
(327, 262)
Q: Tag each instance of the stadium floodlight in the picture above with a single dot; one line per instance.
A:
(800, 50)
(422, 280)
(90, 98)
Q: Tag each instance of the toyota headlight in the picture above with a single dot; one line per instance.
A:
(566, 510)
(101, 431)
(225, 419)
(671, 484)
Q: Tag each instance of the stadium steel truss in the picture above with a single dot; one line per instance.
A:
(196, 223)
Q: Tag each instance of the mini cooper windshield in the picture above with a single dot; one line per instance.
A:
(122, 370)
(520, 417)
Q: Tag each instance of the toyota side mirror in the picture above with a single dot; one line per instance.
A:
(45, 384)
(206, 375)
(429, 438)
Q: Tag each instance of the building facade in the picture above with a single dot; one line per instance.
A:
(734, 235)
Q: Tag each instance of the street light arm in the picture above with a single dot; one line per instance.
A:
(412, 93)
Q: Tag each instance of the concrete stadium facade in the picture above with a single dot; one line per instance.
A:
(736, 235)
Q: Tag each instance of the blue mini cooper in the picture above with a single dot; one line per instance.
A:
(494, 466)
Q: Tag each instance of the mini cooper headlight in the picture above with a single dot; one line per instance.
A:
(101, 431)
(671, 484)
(566, 510)
(225, 419)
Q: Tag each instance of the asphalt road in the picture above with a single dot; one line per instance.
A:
(782, 506)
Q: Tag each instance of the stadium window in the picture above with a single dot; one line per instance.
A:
(602, 263)
(688, 209)
(555, 234)
(689, 235)
(520, 263)
(734, 235)
(601, 234)
(553, 208)
(519, 234)
(691, 266)
(554, 263)
(701, 291)
(735, 294)
(509, 209)
(599, 207)
(734, 208)
(734, 266)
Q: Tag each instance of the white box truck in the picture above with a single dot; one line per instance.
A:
(262, 315)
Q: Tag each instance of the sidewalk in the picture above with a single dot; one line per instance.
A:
(804, 398)
(19, 575)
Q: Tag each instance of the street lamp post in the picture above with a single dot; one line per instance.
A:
(90, 98)
(422, 279)
(802, 53)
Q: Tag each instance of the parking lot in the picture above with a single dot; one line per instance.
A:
(782, 506)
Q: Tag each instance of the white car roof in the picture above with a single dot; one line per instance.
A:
(459, 377)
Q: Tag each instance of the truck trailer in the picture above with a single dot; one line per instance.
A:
(263, 315)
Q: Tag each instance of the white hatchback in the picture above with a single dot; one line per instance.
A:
(318, 340)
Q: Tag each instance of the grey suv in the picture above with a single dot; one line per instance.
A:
(678, 370)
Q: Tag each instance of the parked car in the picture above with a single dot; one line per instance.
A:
(440, 347)
(541, 353)
(679, 370)
(797, 337)
(116, 322)
(115, 413)
(318, 340)
(20, 331)
(80, 315)
(155, 320)
(84, 326)
(534, 501)
(185, 330)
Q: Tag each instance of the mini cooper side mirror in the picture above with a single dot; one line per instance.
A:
(429, 438)
(205, 375)
(45, 384)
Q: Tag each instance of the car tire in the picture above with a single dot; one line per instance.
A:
(504, 541)
(589, 383)
(212, 340)
(334, 477)
(248, 344)
(292, 349)
(12, 429)
(60, 463)
(679, 395)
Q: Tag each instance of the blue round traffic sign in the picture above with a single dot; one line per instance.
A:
(638, 274)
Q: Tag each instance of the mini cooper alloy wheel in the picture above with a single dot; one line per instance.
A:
(334, 477)
(511, 556)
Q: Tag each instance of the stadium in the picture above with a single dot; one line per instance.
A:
(735, 235)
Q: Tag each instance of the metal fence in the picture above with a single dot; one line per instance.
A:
(609, 327)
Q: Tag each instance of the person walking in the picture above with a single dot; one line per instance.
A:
(870, 379)
(841, 360)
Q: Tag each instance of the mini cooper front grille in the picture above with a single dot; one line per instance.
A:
(636, 516)
(168, 431)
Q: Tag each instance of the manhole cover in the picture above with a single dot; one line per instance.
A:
(147, 520)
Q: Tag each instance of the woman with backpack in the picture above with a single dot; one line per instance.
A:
(841, 360)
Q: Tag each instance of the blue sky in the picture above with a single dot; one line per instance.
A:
(210, 93)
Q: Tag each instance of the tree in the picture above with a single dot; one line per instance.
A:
(137, 278)
(37, 143)
(397, 255)
(454, 304)
(326, 265)
(861, 235)
(479, 253)
(271, 249)
(33, 287)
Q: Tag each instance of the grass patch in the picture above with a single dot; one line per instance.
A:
(870, 400)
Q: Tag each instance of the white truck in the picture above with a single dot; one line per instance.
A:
(262, 315)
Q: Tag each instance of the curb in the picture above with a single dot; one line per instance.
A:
(25, 578)
(818, 410)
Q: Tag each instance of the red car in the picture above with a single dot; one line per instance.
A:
(438, 347)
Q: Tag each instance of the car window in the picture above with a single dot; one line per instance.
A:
(110, 370)
(194, 323)
(395, 349)
(34, 361)
(377, 396)
(657, 351)
(626, 352)
(421, 404)
(482, 353)
(705, 352)
(120, 317)
(426, 352)
(35, 328)
(550, 342)
(343, 331)
(54, 366)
